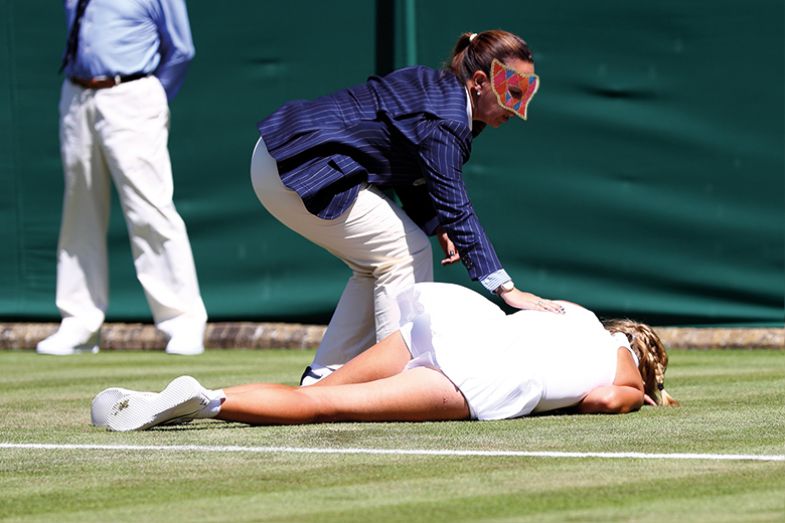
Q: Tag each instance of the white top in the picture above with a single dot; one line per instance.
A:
(507, 366)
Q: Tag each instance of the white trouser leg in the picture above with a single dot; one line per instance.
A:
(82, 280)
(352, 328)
(132, 121)
(385, 249)
(122, 131)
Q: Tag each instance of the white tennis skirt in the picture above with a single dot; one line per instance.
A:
(462, 334)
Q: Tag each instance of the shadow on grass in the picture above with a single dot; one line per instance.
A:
(200, 425)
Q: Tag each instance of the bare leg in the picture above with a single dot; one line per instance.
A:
(420, 394)
(386, 358)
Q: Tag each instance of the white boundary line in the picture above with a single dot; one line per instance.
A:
(399, 452)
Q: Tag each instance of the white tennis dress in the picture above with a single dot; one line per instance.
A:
(506, 366)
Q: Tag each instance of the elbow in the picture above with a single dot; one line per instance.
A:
(610, 403)
(623, 403)
(183, 56)
(619, 407)
(614, 401)
(178, 54)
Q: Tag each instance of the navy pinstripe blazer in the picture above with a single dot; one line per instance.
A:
(407, 131)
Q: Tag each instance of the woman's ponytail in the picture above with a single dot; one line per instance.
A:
(475, 52)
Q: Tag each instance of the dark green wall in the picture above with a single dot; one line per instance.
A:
(647, 182)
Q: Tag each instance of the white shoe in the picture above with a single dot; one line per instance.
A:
(184, 397)
(69, 340)
(187, 342)
(315, 374)
(104, 400)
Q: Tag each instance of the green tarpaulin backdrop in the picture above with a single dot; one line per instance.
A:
(648, 180)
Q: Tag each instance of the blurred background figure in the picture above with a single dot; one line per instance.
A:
(124, 61)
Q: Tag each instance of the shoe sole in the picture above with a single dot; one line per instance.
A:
(180, 399)
(104, 400)
(102, 404)
(180, 352)
(82, 349)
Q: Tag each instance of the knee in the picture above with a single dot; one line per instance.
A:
(315, 408)
(412, 255)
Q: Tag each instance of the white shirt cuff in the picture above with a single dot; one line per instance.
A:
(494, 279)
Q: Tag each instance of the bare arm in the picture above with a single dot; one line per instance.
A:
(624, 395)
(528, 301)
(611, 399)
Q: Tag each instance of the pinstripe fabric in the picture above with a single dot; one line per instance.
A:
(407, 131)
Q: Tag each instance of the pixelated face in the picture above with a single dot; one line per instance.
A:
(513, 90)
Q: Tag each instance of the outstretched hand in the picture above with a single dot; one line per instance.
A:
(528, 301)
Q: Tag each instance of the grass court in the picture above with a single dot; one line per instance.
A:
(54, 466)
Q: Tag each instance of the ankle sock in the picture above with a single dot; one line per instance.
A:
(213, 407)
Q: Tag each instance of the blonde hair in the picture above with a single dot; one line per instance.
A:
(652, 358)
(475, 52)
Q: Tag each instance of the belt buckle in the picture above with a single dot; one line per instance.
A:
(116, 79)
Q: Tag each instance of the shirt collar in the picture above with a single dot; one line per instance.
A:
(468, 107)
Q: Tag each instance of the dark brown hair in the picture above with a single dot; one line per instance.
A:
(476, 54)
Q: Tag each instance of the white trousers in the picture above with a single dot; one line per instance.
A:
(386, 251)
(121, 134)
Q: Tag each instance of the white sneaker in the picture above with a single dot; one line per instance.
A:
(315, 374)
(184, 397)
(67, 341)
(104, 400)
(187, 342)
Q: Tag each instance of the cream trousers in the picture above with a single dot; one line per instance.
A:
(120, 135)
(382, 246)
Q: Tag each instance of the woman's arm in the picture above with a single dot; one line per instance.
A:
(611, 399)
(441, 157)
(624, 395)
(528, 301)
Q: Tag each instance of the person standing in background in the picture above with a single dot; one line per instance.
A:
(124, 62)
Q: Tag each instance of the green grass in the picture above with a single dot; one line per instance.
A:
(733, 403)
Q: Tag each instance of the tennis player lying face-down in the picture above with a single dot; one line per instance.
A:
(456, 356)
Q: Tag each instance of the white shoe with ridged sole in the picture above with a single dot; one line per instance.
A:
(184, 397)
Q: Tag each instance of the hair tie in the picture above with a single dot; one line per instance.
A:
(472, 37)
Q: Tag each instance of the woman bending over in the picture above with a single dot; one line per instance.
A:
(324, 168)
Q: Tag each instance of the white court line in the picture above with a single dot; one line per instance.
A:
(400, 452)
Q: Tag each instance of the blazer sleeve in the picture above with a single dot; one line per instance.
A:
(442, 155)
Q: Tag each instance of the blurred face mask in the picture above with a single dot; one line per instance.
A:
(513, 90)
